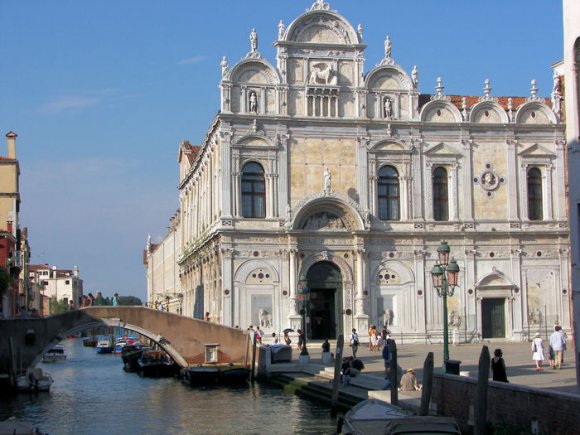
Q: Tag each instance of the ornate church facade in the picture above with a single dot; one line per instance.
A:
(326, 187)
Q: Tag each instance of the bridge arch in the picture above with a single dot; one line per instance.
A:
(183, 338)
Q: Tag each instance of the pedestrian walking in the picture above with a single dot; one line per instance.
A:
(115, 300)
(538, 352)
(557, 343)
(300, 339)
(354, 342)
(498, 366)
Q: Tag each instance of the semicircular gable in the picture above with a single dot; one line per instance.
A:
(392, 273)
(535, 112)
(254, 140)
(494, 279)
(388, 78)
(440, 111)
(389, 145)
(256, 71)
(321, 27)
(248, 268)
(327, 214)
(488, 112)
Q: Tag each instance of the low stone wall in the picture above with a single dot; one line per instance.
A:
(516, 407)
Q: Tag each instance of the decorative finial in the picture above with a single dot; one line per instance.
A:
(224, 65)
(281, 30)
(486, 88)
(360, 32)
(464, 108)
(254, 40)
(534, 89)
(440, 86)
(255, 126)
(510, 109)
(388, 47)
(415, 76)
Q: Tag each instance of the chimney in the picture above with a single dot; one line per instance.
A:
(11, 136)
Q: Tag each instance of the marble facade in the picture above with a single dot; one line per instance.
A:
(323, 130)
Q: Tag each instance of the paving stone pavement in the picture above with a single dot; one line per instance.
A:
(518, 358)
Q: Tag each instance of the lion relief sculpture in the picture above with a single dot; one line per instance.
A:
(322, 74)
(265, 318)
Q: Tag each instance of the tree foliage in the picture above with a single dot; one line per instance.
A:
(57, 307)
(130, 301)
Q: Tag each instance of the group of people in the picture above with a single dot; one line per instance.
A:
(377, 340)
(556, 348)
(90, 300)
(350, 367)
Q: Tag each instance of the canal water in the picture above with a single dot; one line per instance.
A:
(92, 394)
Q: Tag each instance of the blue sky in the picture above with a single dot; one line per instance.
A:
(101, 93)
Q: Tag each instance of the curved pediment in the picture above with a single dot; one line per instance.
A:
(440, 111)
(535, 112)
(494, 280)
(488, 112)
(326, 213)
(253, 71)
(389, 77)
(321, 26)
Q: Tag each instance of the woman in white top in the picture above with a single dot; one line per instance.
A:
(538, 351)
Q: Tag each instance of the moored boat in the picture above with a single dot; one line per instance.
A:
(201, 375)
(156, 363)
(234, 374)
(131, 354)
(104, 344)
(121, 342)
(35, 379)
(55, 354)
(369, 417)
(90, 341)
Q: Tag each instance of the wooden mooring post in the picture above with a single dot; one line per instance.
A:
(427, 384)
(336, 380)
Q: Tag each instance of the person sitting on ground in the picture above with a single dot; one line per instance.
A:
(274, 338)
(357, 366)
(326, 346)
(409, 381)
(346, 368)
(287, 338)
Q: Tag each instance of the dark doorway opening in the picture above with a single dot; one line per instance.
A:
(324, 315)
(493, 317)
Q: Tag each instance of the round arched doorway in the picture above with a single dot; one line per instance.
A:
(324, 282)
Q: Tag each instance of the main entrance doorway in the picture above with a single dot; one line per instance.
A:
(324, 308)
(493, 317)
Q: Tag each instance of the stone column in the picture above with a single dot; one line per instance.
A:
(226, 179)
(362, 184)
(468, 176)
(453, 193)
(524, 191)
(512, 180)
(429, 192)
(548, 186)
(560, 177)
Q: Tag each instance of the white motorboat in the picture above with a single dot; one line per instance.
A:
(369, 416)
(34, 380)
(105, 344)
(377, 417)
(55, 354)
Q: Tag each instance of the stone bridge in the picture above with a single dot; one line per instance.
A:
(24, 341)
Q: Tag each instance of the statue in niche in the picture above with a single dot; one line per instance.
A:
(327, 181)
(388, 316)
(388, 108)
(557, 87)
(322, 74)
(281, 29)
(253, 102)
(254, 40)
(535, 316)
(454, 319)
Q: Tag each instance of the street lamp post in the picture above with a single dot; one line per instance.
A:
(303, 291)
(445, 276)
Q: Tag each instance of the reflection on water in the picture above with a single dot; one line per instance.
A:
(93, 395)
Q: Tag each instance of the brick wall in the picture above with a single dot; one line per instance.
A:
(524, 408)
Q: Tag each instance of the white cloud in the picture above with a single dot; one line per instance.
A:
(75, 102)
(191, 60)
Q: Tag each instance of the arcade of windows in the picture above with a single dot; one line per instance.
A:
(253, 188)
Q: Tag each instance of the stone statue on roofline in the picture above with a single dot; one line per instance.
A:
(254, 40)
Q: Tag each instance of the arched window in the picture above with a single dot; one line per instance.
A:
(440, 195)
(388, 192)
(535, 200)
(253, 191)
